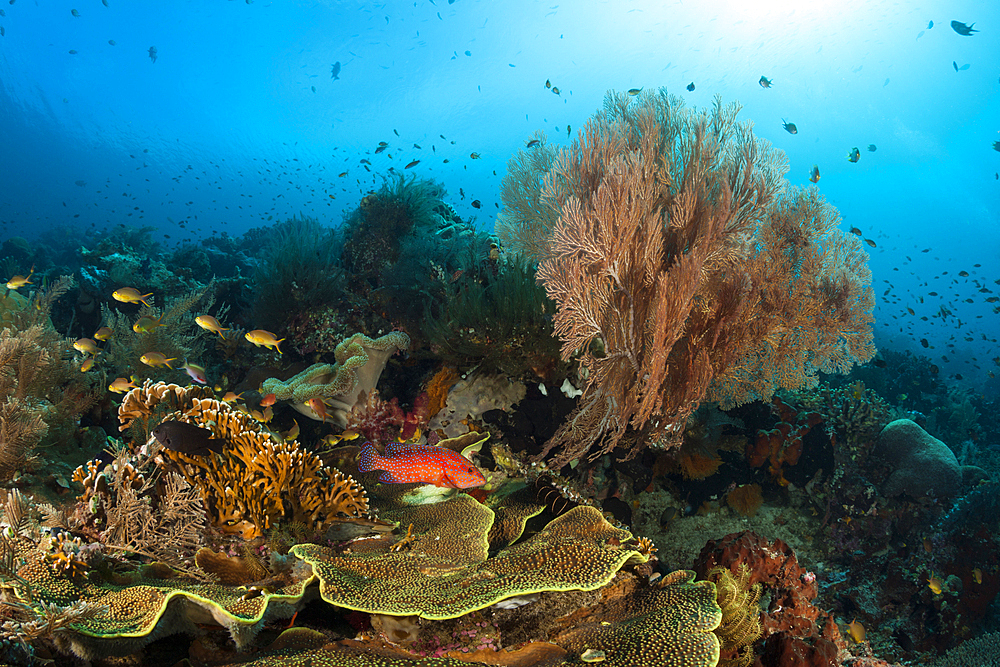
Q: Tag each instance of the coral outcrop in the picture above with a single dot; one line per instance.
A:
(921, 464)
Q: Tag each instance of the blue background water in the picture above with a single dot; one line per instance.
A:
(239, 122)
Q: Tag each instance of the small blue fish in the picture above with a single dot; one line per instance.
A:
(335, 70)
(962, 29)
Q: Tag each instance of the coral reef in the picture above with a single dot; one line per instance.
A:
(42, 393)
(384, 218)
(669, 241)
(446, 571)
(789, 589)
(501, 323)
(300, 271)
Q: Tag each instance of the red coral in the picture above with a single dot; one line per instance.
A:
(783, 443)
(382, 421)
(791, 589)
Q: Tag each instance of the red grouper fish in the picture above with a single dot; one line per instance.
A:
(405, 463)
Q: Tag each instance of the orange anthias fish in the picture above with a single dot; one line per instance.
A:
(155, 359)
(209, 323)
(404, 463)
(130, 295)
(121, 385)
(21, 281)
(260, 337)
(856, 630)
(319, 407)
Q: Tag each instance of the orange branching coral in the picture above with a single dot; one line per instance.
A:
(256, 482)
(141, 403)
(746, 499)
(684, 269)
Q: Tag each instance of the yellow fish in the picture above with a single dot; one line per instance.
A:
(291, 433)
(856, 631)
(332, 440)
(935, 584)
(121, 385)
(977, 575)
(86, 345)
(259, 337)
(231, 397)
(209, 323)
(21, 281)
(146, 324)
(104, 333)
(262, 417)
(130, 295)
(155, 359)
(87, 364)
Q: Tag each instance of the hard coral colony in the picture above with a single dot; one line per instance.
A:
(649, 344)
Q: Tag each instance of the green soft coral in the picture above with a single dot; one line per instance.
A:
(359, 364)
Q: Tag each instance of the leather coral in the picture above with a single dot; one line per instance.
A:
(684, 267)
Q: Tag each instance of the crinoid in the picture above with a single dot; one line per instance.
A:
(740, 625)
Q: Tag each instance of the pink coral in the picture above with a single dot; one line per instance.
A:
(381, 421)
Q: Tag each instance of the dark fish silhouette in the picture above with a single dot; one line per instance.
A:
(930, 24)
(690, 86)
(335, 70)
(872, 148)
(963, 29)
(187, 438)
(789, 127)
(152, 53)
(764, 82)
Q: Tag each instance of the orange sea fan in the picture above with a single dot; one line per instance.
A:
(698, 466)
(438, 388)
(746, 499)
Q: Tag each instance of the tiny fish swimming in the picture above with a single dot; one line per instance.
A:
(405, 463)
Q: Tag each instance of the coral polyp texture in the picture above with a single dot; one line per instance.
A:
(257, 481)
(360, 361)
(128, 614)
(446, 571)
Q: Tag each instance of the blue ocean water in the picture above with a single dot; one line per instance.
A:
(238, 121)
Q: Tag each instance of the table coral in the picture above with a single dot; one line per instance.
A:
(146, 610)
(446, 571)
(360, 361)
(669, 625)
